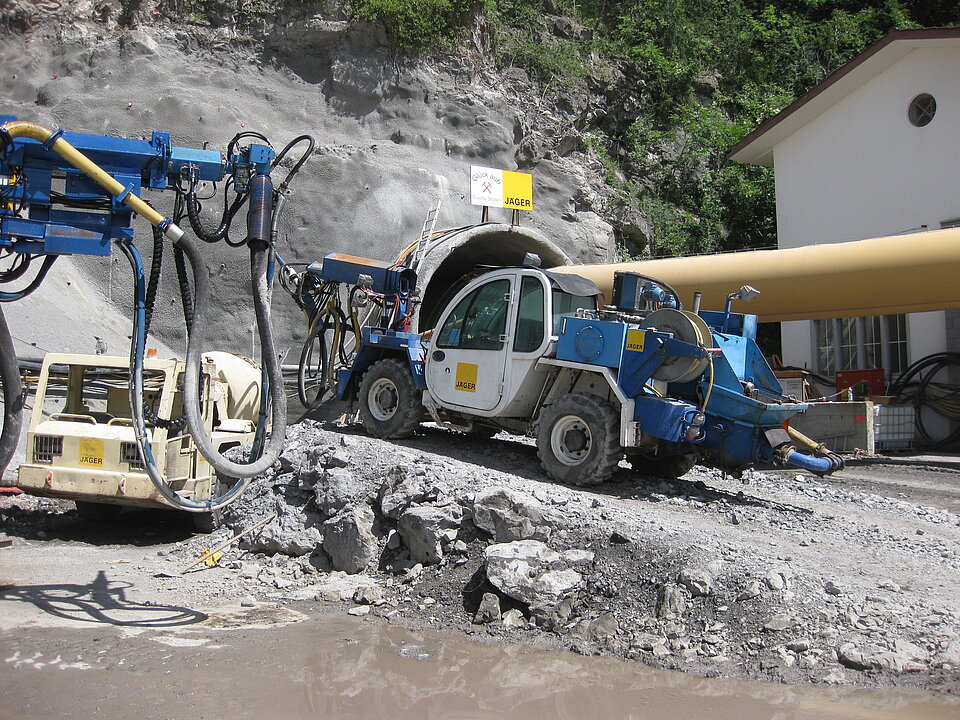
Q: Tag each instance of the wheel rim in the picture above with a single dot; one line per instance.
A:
(383, 399)
(570, 440)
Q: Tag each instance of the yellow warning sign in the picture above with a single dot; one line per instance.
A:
(635, 340)
(91, 452)
(517, 190)
(466, 377)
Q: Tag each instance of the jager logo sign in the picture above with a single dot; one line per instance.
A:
(635, 340)
(466, 377)
(91, 452)
(501, 188)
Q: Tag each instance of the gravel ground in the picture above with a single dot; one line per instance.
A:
(778, 576)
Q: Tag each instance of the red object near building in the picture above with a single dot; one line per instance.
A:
(863, 382)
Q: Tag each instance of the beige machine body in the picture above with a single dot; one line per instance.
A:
(81, 444)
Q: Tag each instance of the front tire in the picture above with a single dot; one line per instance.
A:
(389, 401)
(579, 440)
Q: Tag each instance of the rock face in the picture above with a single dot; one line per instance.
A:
(529, 571)
(508, 515)
(391, 137)
(428, 531)
(349, 541)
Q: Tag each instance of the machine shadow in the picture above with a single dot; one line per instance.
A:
(137, 527)
(103, 602)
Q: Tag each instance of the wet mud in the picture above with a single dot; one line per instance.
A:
(280, 663)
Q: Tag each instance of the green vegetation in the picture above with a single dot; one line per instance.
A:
(418, 25)
(681, 81)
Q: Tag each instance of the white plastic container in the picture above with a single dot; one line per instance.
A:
(894, 427)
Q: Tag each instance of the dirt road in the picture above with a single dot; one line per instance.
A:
(780, 576)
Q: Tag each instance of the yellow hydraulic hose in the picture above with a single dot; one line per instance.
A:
(22, 128)
(807, 442)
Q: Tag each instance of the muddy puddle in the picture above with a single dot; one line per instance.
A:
(346, 668)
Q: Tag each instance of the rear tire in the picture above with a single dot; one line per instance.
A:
(390, 404)
(579, 440)
(209, 522)
(671, 467)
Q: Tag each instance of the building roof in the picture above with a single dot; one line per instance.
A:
(757, 147)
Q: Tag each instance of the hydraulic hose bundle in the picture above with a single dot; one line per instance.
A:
(250, 175)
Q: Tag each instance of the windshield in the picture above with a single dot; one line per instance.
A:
(99, 393)
(566, 304)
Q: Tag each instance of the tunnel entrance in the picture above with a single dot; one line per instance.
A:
(452, 254)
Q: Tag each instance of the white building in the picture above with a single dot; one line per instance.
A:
(873, 150)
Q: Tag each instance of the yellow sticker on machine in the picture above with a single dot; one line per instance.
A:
(466, 377)
(91, 452)
(635, 340)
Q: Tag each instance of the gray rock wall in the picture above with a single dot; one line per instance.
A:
(392, 138)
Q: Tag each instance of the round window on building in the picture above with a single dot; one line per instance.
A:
(922, 109)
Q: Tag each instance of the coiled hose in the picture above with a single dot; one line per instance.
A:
(916, 387)
(191, 380)
(278, 398)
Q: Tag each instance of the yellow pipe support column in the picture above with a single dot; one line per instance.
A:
(22, 128)
(882, 276)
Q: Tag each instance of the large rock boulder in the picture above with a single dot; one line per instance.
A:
(336, 488)
(903, 656)
(508, 515)
(401, 490)
(287, 534)
(529, 571)
(671, 602)
(349, 540)
(698, 582)
(428, 531)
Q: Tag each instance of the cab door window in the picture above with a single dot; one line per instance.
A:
(529, 333)
(479, 320)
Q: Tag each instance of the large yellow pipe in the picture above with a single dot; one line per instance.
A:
(881, 276)
(22, 128)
